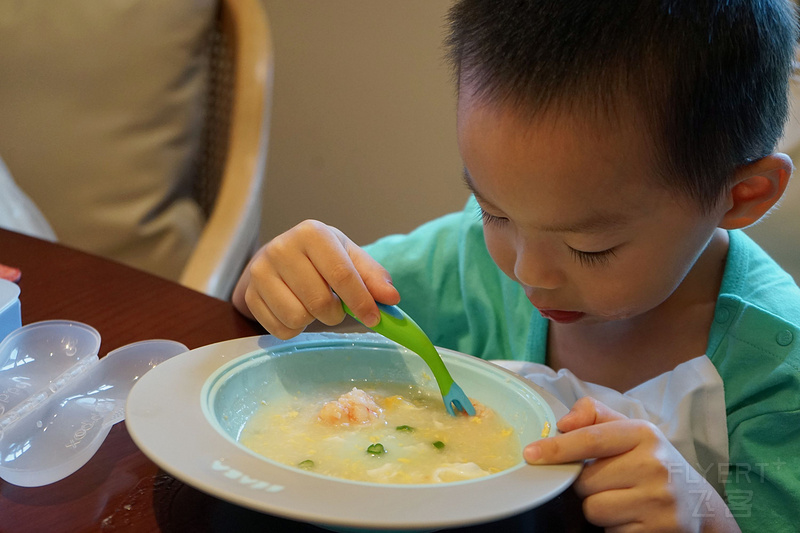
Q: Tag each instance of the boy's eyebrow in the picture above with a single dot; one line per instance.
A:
(594, 223)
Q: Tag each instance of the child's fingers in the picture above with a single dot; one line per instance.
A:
(300, 276)
(612, 508)
(276, 275)
(601, 440)
(304, 285)
(264, 314)
(305, 279)
(376, 278)
(586, 412)
(640, 489)
(330, 254)
(295, 272)
(352, 274)
(647, 466)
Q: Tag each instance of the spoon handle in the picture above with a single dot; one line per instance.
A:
(396, 325)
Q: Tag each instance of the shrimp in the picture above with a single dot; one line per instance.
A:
(481, 413)
(354, 407)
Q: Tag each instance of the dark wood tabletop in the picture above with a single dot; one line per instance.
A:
(120, 489)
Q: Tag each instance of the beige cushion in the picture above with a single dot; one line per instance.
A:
(100, 116)
(17, 211)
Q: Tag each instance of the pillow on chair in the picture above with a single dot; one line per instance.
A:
(101, 111)
(17, 211)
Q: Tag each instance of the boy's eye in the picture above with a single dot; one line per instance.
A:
(492, 220)
(592, 258)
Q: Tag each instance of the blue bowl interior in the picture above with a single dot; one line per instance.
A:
(235, 391)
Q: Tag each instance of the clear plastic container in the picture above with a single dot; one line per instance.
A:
(59, 400)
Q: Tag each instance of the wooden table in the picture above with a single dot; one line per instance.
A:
(120, 489)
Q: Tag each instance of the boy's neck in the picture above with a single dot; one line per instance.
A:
(625, 353)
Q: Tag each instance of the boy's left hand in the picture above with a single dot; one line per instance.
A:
(637, 480)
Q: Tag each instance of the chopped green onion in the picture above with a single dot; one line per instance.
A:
(438, 445)
(308, 463)
(376, 449)
(404, 428)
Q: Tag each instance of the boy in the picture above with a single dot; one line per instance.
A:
(611, 147)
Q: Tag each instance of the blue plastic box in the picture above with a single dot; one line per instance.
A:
(10, 314)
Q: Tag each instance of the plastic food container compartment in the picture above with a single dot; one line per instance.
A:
(59, 400)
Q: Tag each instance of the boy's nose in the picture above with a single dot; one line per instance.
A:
(537, 269)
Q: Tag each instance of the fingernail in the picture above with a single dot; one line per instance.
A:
(566, 418)
(532, 453)
(372, 320)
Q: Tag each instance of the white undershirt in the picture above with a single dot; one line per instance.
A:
(687, 404)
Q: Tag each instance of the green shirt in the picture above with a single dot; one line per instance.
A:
(451, 286)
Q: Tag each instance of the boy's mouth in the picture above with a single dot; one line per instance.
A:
(563, 317)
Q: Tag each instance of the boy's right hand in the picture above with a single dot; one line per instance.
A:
(291, 280)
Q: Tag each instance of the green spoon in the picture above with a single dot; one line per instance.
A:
(396, 325)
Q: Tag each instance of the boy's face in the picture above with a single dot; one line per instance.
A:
(572, 212)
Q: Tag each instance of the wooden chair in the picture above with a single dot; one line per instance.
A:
(232, 161)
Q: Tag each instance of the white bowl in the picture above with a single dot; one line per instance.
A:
(210, 393)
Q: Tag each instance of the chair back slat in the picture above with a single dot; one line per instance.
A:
(210, 162)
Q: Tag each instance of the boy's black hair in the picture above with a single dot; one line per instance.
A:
(708, 77)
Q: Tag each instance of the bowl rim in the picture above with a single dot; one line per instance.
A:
(222, 469)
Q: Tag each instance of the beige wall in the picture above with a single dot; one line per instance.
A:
(363, 124)
(363, 127)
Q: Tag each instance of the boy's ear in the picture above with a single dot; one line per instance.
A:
(757, 188)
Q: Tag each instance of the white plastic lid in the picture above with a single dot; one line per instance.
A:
(58, 400)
